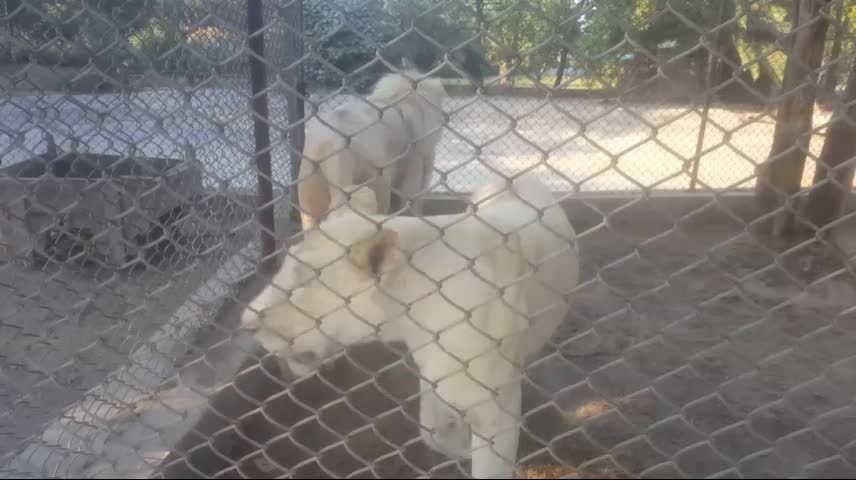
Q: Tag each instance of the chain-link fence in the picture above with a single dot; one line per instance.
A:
(678, 279)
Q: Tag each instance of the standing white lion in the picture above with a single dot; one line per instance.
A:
(472, 295)
(387, 139)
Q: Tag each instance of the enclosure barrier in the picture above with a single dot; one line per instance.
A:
(702, 151)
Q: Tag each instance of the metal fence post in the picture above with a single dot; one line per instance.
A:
(294, 51)
(712, 63)
(261, 133)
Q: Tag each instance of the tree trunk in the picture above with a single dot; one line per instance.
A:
(480, 23)
(480, 16)
(515, 58)
(261, 134)
(768, 78)
(295, 94)
(780, 176)
(831, 185)
(766, 82)
(10, 6)
(560, 70)
(830, 76)
(727, 68)
(472, 65)
(504, 69)
(480, 19)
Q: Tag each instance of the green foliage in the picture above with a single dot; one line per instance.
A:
(349, 34)
(529, 36)
(345, 36)
(63, 32)
(432, 29)
(680, 24)
(116, 35)
(523, 38)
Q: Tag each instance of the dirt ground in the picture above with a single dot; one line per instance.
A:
(65, 327)
(692, 353)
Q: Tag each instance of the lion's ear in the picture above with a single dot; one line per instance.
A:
(378, 253)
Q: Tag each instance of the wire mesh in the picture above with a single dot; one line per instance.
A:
(708, 334)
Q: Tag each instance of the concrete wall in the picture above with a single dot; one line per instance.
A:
(658, 209)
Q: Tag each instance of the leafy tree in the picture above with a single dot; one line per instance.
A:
(759, 26)
(604, 28)
(426, 31)
(529, 38)
(63, 32)
(345, 35)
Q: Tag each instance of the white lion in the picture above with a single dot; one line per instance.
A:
(472, 295)
(387, 140)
